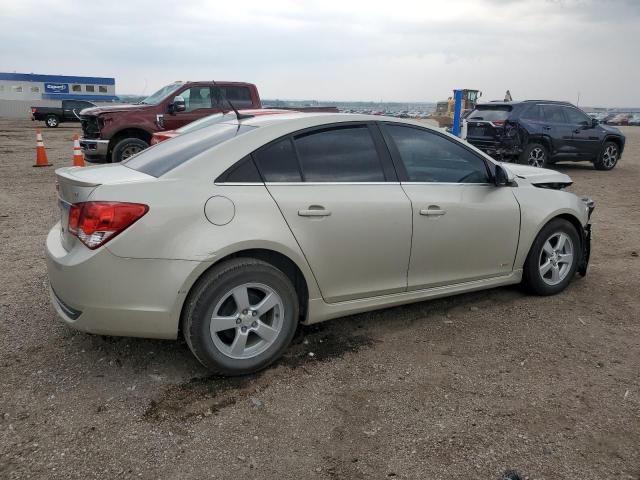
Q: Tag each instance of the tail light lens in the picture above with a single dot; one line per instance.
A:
(95, 223)
(33, 109)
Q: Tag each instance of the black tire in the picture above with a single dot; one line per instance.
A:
(532, 278)
(608, 157)
(126, 148)
(52, 121)
(535, 155)
(211, 289)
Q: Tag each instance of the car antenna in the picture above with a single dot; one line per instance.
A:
(239, 115)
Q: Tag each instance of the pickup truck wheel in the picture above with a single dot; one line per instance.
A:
(608, 157)
(52, 121)
(535, 155)
(127, 148)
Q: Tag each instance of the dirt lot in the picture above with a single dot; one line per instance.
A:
(466, 387)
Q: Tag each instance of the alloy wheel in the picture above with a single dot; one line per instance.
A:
(610, 156)
(556, 258)
(537, 156)
(247, 320)
(130, 151)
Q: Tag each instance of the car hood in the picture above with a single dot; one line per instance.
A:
(115, 108)
(539, 176)
(610, 129)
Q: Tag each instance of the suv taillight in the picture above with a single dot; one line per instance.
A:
(95, 223)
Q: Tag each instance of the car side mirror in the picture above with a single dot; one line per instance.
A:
(504, 176)
(178, 105)
(594, 122)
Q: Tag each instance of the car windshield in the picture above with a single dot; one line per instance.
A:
(161, 94)
(203, 122)
(491, 113)
(165, 156)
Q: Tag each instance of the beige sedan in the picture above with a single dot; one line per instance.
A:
(236, 233)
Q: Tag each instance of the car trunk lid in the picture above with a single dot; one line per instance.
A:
(77, 184)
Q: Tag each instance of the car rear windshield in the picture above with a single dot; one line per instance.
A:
(165, 156)
(491, 113)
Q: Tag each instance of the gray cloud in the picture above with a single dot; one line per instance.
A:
(399, 51)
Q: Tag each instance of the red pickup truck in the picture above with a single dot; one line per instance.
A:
(114, 133)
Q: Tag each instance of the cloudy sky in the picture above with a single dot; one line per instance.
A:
(391, 50)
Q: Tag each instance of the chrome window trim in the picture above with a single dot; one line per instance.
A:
(332, 183)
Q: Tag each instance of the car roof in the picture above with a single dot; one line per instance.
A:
(319, 118)
(521, 102)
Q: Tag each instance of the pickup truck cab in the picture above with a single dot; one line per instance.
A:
(54, 116)
(114, 133)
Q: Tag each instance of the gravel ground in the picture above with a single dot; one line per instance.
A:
(465, 387)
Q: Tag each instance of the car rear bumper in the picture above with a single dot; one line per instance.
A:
(94, 149)
(98, 292)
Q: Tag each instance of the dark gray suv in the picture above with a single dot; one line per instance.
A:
(542, 132)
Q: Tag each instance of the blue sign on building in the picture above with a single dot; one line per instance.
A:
(56, 87)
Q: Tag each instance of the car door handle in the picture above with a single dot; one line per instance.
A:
(432, 211)
(547, 127)
(577, 130)
(314, 212)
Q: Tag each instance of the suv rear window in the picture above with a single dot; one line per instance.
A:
(165, 156)
(491, 113)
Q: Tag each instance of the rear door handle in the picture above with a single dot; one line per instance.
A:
(432, 211)
(314, 211)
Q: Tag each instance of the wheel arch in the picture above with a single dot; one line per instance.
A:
(565, 215)
(278, 259)
(615, 139)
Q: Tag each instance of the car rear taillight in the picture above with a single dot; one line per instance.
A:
(33, 110)
(498, 122)
(95, 223)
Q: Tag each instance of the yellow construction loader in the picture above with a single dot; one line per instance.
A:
(444, 110)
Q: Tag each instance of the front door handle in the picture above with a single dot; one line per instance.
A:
(433, 211)
(314, 211)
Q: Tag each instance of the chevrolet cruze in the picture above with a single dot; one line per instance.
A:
(233, 234)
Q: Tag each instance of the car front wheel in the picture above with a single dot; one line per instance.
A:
(608, 157)
(553, 258)
(240, 317)
(127, 148)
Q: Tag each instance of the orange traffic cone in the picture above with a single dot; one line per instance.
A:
(41, 153)
(78, 158)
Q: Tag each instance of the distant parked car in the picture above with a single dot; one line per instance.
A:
(635, 119)
(539, 133)
(211, 120)
(54, 116)
(619, 119)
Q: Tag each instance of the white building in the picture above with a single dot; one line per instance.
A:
(20, 91)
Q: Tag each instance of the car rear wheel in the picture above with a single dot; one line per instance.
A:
(608, 157)
(240, 317)
(535, 155)
(52, 121)
(127, 148)
(553, 258)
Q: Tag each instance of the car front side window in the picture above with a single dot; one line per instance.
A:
(433, 158)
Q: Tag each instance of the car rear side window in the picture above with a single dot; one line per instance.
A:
(277, 162)
(340, 154)
(165, 156)
(553, 114)
(534, 112)
(429, 157)
(490, 114)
